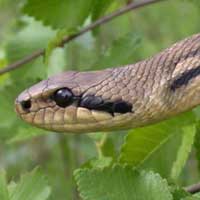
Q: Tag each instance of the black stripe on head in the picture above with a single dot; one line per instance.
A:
(97, 103)
(184, 78)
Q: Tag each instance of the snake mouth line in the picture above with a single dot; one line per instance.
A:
(65, 109)
(60, 117)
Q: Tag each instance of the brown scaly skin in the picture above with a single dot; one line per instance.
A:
(146, 85)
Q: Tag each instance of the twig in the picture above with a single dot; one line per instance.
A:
(193, 188)
(103, 20)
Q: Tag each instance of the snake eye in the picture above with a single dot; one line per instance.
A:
(26, 105)
(63, 97)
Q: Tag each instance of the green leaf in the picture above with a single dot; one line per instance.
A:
(196, 2)
(161, 161)
(184, 150)
(99, 8)
(3, 186)
(155, 147)
(122, 183)
(142, 142)
(108, 147)
(67, 14)
(28, 39)
(122, 50)
(179, 193)
(197, 145)
(197, 195)
(56, 42)
(32, 186)
(191, 198)
(98, 162)
(22, 135)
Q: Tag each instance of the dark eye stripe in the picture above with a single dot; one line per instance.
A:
(185, 78)
(97, 103)
(64, 97)
(91, 102)
(122, 107)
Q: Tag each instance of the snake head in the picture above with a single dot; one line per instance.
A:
(119, 98)
(75, 102)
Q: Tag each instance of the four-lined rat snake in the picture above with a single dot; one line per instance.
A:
(117, 98)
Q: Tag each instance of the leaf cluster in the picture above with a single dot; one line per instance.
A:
(149, 163)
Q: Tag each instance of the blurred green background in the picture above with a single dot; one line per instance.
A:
(125, 40)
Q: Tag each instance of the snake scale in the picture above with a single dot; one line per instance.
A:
(117, 98)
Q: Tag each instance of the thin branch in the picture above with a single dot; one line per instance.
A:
(103, 20)
(193, 188)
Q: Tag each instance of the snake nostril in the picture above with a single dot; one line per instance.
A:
(26, 105)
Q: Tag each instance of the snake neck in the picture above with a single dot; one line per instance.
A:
(164, 85)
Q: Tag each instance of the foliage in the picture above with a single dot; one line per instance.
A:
(121, 183)
(143, 145)
(67, 13)
(32, 186)
(153, 162)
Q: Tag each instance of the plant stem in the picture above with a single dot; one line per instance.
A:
(103, 20)
(193, 188)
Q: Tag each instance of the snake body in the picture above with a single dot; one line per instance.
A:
(117, 98)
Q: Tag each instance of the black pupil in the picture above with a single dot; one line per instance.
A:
(26, 104)
(63, 97)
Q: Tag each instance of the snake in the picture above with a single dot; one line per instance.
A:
(118, 98)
